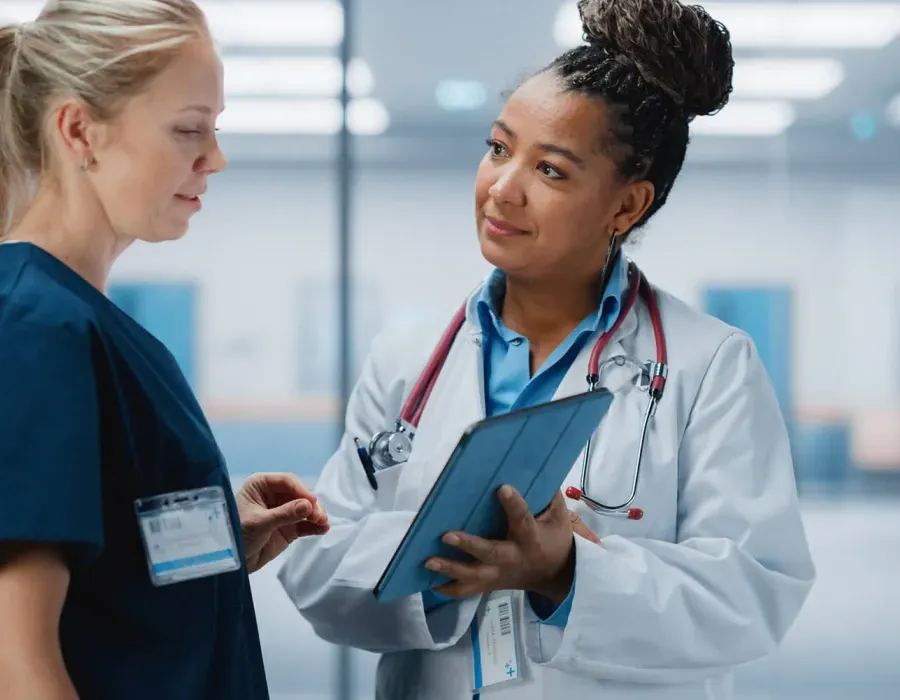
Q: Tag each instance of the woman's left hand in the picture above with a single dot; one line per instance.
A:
(537, 556)
(275, 510)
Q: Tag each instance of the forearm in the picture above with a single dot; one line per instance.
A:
(30, 678)
(636, 600)
(33, 585)
(330, 581)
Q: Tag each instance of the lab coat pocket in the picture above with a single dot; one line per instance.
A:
(386, 497)
(420, 473)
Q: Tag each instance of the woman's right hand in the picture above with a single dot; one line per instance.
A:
(275, 510)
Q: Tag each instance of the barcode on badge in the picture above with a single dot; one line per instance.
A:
(505, 619)
(157, 525)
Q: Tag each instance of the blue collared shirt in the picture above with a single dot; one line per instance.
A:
(510, 385)
(508, 381)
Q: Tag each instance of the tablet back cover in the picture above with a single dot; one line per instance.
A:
(532, 449)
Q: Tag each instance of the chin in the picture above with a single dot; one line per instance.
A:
(501, 257)
(164, 234)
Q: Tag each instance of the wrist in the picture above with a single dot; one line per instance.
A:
(252, 563)
(556, 588)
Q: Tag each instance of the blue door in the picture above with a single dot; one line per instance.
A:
(765, 314)
(169, 312)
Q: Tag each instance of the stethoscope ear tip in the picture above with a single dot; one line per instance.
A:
(574, 493)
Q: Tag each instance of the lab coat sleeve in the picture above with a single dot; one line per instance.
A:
(330, 579)
(727, 591)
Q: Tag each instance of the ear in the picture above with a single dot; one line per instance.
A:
(75, 131)
(635, 200)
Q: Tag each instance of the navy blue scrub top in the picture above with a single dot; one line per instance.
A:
(94, 413)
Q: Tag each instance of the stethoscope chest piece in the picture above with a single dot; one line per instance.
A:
(390, 448)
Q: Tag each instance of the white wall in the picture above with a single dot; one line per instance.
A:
(266, 242)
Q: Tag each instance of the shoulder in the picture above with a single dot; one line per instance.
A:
(35, 303)
(687, 326)
(402, 348)
(704, 349)
(400, 352)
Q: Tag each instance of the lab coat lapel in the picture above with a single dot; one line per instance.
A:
(456, 402)
(575, 381)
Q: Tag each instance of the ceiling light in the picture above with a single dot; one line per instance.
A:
(809, 24)
(256, 23)
(567, 31)
(314, 76)
(893, 112)
(298, 116)
(460, 95)
(266, 23)
(20, 11)
(786, 79)
(781, 24)
(747, 119)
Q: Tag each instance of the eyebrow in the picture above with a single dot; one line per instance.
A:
(198, 108)
(546, 147)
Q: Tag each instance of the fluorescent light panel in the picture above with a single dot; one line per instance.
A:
(261, 23)
(786, 79)
(318, 76)
(747, 119)
(248, 23)
(809, 24)
(299, 116)
(795, 24)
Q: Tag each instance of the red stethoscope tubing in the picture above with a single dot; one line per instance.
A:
(639, 286)
(421, 392)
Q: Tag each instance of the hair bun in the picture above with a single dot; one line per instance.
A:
(678, 48)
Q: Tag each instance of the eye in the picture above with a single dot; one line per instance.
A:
(551, 171)
(497, 149)
(190, 132)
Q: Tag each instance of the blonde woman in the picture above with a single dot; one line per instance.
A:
(124, 554)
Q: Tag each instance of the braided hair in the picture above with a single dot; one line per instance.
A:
(656, 64)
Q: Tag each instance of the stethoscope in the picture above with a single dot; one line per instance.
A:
(391, 448)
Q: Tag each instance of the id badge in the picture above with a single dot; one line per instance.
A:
(495, 644)
(187, 535)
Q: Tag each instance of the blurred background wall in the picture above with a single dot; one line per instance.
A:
(784, 222)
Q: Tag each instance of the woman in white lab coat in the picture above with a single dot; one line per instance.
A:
(663, 607)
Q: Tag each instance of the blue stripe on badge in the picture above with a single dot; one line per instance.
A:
(188, 562)
(476, 653)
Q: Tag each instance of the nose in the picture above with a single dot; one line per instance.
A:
(507, 188)
(213, 162)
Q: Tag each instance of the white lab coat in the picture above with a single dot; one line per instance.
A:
(664, 608)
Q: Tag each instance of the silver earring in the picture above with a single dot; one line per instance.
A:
(604, 277)
(85, 164)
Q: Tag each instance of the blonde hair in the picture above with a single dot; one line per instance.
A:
(101, 52)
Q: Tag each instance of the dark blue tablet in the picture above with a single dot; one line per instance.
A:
(532, 449)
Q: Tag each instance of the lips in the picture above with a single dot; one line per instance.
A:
(500, 227)
(193, 201)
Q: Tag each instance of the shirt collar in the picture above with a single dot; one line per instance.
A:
(485, 304)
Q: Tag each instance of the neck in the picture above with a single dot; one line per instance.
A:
(546, 311)
(77, 234)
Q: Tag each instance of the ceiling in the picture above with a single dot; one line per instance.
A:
(412, 46)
